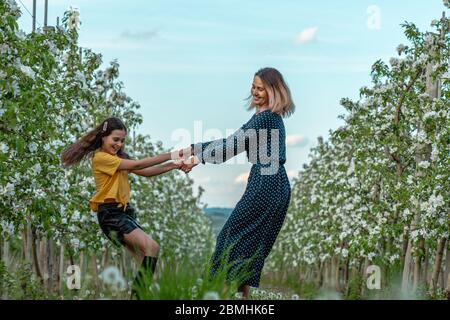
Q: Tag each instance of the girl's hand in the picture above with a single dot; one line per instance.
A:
(188, 164)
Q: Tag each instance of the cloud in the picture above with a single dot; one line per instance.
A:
(242, 178)
(296, 140)
(307, 35)
(139, 35)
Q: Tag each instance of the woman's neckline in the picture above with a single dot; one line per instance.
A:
(263, 111)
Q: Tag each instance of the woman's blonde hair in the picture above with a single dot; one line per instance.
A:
(280, 100)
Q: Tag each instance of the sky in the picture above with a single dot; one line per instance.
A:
(190, 64)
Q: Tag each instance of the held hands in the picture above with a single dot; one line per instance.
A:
(186, 165)
(184, 160)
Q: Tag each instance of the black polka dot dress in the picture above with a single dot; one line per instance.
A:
(252, 228)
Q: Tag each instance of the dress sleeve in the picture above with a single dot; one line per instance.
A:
(221, 150)
(106, 163)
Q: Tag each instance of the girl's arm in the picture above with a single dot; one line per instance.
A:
(157, 170)
(131, 165)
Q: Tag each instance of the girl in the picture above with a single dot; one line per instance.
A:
(110, 167)
(254, 224)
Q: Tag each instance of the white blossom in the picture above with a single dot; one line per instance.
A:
(74, 18)
(28, 71)
(36, 169)
(211, 295)
(4, 148)
(32, 147)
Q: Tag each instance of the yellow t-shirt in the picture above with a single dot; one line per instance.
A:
(110, 182)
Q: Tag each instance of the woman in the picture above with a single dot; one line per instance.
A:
(251, 230)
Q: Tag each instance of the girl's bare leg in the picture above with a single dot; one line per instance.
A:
(141, 245)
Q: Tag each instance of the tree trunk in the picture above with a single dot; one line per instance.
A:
(418, 263)
(447, 272)
(51, 265)
(406, 268)
(82, 265)
(105, 258)
(35, 256)
(364, 276)
(426, 263)
(6, 253)
(43, 260)
(335, 273)
(28, 240)
(61, 268)
(95, 271)
(437, 264)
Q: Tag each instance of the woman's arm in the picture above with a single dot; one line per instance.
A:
(221, 150)
(157, 170)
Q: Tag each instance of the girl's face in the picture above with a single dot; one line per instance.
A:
(259, 93)
(114, 142)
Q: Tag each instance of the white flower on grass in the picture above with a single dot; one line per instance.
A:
(4, 148)
(238, 295)
(194, 292)
(111, 276)
(36, 169)
(211, 295)
(2, 111)
(32, 147)
(57, 143)
(295, 297)
(272, 296)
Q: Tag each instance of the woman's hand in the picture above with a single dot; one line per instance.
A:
(183, 154)
(188, 164)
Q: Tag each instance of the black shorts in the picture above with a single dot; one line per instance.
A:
(115, 222)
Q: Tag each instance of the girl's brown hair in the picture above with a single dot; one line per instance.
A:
(90, 142)
(280, 100)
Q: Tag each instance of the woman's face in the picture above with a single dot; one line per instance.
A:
(259, 93)
(114, 141)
